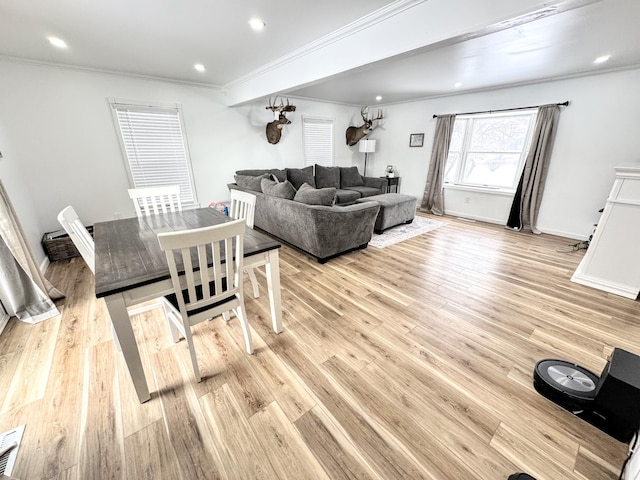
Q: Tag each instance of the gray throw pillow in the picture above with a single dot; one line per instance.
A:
(327, 177)
(315, 196)
(280, 174)
(298, 176)
(278, 189)
(349, 177)
(249, 182)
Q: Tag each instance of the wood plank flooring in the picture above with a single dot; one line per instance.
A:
(409, 362)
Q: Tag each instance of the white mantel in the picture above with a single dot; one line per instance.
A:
(612, 261)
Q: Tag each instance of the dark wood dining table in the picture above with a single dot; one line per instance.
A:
(130, 269)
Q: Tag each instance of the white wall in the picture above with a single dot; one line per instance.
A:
(18, 190)
(60, 144)
(597, 131)
(61, 148)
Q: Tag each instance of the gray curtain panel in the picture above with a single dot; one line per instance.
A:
(23, 296)
(25, 291)
(433, 199)
(526, 202)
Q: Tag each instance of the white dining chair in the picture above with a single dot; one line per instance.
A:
(79, 235)
(154, 200)
(213, 282)
(243, 205)
(83, 241)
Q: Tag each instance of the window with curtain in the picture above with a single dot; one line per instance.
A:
(488, 151)
(317, 137)
(155, 147)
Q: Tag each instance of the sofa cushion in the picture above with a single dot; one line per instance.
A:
(249, 182)
(364, 191)
(298, 176)
(346, 197)
(278, 189)
(327, 177)
(281, 175)
(349, 177)
(315, 196)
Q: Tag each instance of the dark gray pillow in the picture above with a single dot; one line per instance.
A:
(249, 182)
(278, 189)
(315, 196)
(327, 177)
(298, 176)
(280, 174)
(349, 177)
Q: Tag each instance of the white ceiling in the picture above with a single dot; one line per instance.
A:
(164, 39)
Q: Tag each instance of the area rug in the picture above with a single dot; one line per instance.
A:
(404, 232)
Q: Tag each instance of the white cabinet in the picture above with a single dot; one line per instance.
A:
(612, 261)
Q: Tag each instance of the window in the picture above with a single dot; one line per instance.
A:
(155, 147)
(489, 150)
(317, 137)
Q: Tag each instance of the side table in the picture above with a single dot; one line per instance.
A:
(392, 182)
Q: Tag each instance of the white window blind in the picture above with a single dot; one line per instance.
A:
(155, 147)
(317, 135)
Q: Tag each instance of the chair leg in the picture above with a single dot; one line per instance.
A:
(192, 352)
(226, 316)
(242, 316)
(173, 316)
(254, 282)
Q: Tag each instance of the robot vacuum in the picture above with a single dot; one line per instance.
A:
(569, 385)
(610, 402)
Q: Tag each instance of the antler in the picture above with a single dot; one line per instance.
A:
(364, 112)
(289, 107)
(379, 117)
(275, 108)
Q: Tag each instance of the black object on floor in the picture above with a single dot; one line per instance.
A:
(521, 476)
(608, 402)
(569, 385)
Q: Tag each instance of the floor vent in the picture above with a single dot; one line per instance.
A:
(9, 444)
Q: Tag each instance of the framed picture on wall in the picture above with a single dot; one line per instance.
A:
(416, 139)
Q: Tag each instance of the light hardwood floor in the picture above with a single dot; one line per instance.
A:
(409, 362)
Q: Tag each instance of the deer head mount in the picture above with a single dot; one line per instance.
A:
(274, 128)
(355, 134)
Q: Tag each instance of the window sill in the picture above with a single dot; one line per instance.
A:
(489, 190)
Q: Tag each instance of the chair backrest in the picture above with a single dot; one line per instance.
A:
(155, 200)
(243, 205)
(79, 235)
(198, 253)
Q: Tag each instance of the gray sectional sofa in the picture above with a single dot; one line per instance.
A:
(306, 209)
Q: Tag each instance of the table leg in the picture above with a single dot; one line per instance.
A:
(122, 325)
(273, 284)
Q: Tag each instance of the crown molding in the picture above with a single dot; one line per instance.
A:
(380, 15)
(62, 66)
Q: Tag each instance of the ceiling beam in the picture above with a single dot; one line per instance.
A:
(401, 27)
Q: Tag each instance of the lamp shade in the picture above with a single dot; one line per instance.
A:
(367, 146)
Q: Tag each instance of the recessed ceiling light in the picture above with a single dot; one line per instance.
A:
(57, 42)
(457, 85)
(257, 24)
(378, 98)
(199, 67)
(602, 59)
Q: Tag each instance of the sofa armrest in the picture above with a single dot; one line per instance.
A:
(376, 182)
(320, 230)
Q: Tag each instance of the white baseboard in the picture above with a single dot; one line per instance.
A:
(44, 265)
(604, 285)
(479, 218)
(498, 221)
